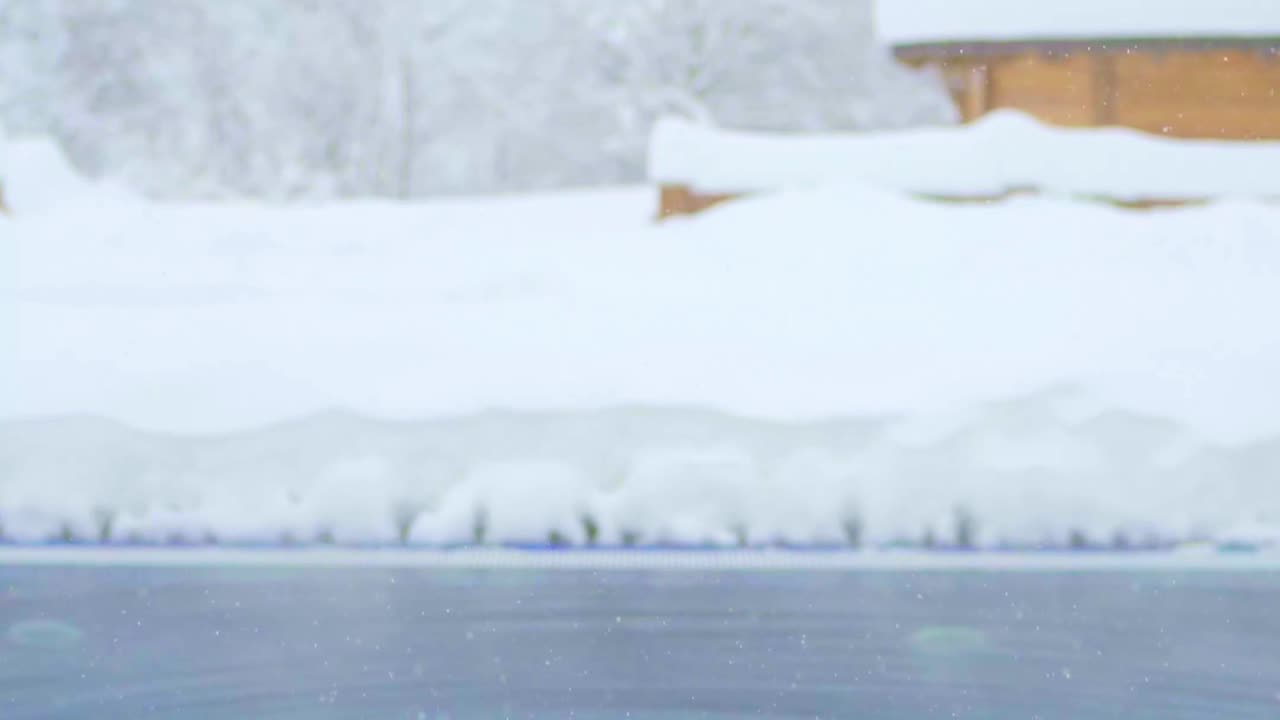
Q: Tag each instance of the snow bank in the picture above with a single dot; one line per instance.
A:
(924, 21)
(1022, 473)
(820, 366)
(36, 177)
(837, 302)
(1003, 151)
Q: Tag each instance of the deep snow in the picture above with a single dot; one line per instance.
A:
(1004, 151)
(813, 366)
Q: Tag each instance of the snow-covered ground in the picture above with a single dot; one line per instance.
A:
(1004, 151)
(814, 366)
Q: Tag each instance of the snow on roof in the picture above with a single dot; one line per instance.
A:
(1002, 152)
(904, 22)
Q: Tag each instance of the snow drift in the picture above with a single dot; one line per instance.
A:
(1025, 473)
(1002, 152)
(35, 177)
(836, 365)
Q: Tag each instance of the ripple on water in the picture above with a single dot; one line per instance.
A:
(47, 634)
(950, 641)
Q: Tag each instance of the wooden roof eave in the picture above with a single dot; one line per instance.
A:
(952, 49)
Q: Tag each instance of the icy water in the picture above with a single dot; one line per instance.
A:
(230, 644)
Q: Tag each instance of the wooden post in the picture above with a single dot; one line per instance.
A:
(672, 200)
(682, 200)
(976, 100)
(1103, 66)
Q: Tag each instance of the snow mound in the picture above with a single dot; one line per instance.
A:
(836, 302)
(1002, 152)
(826, 366)
(1022, 473)
(36, 177)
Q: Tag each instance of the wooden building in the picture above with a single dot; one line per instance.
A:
(1183, 68)
(1196, 69)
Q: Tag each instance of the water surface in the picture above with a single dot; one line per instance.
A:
(344, 643)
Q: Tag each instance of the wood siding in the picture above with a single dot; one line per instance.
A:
(1228, 94)
(1197, 92)
(682, 200)
(1054, 88)
(1224, 89)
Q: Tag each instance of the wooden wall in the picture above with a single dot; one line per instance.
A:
(1209, 92)
(1204, 90)
(683, 200)
(1230, 94)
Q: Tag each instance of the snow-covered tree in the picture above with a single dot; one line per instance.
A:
(708, 58)
(403, 98)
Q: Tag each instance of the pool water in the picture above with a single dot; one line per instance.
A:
(227, 644)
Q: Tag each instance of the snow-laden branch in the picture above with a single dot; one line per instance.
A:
(413, 97)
